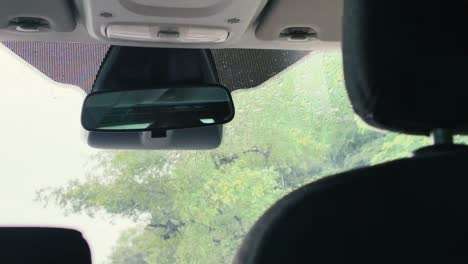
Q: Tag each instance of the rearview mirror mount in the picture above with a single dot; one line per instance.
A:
(136, 68)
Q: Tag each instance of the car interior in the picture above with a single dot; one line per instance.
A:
(160, 87)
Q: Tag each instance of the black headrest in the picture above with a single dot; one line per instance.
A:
(406, 63)
(43, 245)
(406, 211)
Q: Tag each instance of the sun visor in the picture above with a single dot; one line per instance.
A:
(406, 64)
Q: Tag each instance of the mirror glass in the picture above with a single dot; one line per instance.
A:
(156, 109)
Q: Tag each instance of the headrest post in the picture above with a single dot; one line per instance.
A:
(442, 136)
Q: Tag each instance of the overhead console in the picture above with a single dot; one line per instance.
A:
(169, 21)
(263, 24)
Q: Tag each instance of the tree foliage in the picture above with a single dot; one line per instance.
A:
(196, 206)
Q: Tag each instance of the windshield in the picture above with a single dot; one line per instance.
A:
(177, 206)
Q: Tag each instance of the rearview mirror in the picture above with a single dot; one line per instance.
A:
(157, 109)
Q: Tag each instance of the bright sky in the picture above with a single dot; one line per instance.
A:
(42, 145)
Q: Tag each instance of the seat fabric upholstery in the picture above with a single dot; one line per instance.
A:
(411, 210)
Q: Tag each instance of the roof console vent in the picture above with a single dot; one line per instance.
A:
(298, 33)
(29, 24)
(36, 16)
(300, 20)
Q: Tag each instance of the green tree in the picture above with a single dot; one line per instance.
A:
(196, 206)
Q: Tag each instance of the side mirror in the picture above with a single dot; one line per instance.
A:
(157, 109)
